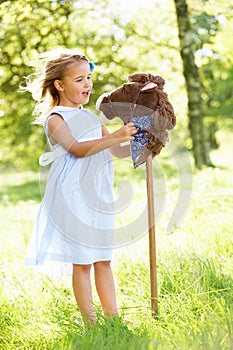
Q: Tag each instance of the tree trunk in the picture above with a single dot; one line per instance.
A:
(193, 86)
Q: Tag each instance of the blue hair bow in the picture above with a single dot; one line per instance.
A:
(92, 66)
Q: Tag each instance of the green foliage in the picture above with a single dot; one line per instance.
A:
(124, 42)
(204, 28)
(113, 46)
(214, 58)
(28, 28)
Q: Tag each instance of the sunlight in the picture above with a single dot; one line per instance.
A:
(129, 7)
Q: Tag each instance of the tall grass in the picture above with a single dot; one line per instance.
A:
(194, 267)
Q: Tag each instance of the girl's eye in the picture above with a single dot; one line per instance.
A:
(81, 79)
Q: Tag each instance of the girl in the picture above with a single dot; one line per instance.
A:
(74, 225)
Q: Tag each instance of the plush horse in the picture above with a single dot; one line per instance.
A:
(142, 101)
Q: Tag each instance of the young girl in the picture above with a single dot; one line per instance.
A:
(74, 225)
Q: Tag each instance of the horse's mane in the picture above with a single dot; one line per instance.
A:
(164, 106)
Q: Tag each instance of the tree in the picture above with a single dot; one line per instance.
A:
(193, 85)
(27, 28)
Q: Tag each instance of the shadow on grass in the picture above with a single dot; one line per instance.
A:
(29, 190)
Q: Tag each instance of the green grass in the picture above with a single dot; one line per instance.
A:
(194, 266)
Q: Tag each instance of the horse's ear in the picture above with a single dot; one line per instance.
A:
(148, 87)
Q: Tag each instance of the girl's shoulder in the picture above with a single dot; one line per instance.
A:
(63, 111)
(70, 115)
(68, 112)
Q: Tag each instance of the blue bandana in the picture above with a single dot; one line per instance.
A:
(141, 139)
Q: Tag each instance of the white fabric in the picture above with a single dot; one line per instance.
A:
(75, 221)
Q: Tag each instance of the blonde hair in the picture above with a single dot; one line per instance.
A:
(55, 64)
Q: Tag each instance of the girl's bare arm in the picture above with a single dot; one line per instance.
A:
(60, 133)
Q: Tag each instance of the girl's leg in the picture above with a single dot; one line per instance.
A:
(83, 292)
(105, 287)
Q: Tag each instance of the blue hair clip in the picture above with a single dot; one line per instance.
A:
(92, 66)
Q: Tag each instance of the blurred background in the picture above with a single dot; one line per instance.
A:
(190, 48)
(188, 43)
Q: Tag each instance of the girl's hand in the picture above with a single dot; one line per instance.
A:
(126, 132)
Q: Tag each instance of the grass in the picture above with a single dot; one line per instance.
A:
(194, 266)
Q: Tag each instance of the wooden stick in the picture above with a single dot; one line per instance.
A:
(152, 239)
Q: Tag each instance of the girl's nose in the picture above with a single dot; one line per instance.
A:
(88, 82)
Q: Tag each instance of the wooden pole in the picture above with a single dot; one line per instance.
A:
(152, 239)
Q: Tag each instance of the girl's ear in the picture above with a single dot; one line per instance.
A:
(58, 85)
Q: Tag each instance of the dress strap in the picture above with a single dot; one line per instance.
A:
(49, 157)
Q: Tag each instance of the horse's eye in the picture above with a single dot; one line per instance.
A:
(123, 91)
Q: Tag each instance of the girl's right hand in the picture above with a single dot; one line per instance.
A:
(126, 132)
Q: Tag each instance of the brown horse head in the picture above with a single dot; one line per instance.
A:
(142, 95)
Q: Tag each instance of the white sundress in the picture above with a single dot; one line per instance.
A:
(75, 221)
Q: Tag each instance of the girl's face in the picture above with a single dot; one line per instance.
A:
(75, 88)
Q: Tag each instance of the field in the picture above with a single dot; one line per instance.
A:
(194, 266)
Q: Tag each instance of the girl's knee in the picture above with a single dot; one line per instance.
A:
(81, 268)
(102, 264)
